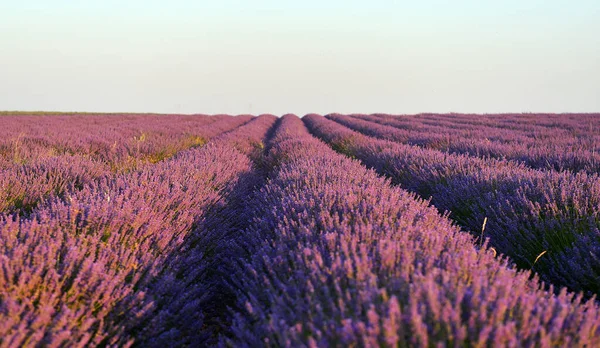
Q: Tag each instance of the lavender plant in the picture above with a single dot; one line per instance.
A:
(22, 186)
(528, 212)
(89, 268)
(336, 256)
(541, 147)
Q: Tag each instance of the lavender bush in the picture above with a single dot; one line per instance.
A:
(47, 173)
(528, 212)
(176, 230)
(89, 268)
(543, 147)
(338, 257)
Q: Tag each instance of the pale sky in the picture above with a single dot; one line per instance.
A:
(277, 56)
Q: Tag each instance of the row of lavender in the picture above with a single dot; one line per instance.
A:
(563, 144)
(576, 123)
(126, 257)
(324, 252)
(112, 139)
(32, 168)
(547, 221)
(336, 256)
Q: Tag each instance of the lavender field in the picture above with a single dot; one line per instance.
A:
(376, 230)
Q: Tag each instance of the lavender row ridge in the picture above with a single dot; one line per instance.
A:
(528, 213)
(89, 269)
(554, 148)
(337, 256)
(47, 174)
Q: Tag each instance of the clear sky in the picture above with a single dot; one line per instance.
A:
(278, 56)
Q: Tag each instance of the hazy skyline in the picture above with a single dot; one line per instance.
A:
(311, 56)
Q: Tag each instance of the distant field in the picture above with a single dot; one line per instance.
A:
(338, 230)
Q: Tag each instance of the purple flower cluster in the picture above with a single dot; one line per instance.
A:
(109, 138)
(547, 221)
(34, 168)
(152, 230)
(337, 256)
(573, 145)
(108, 263)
